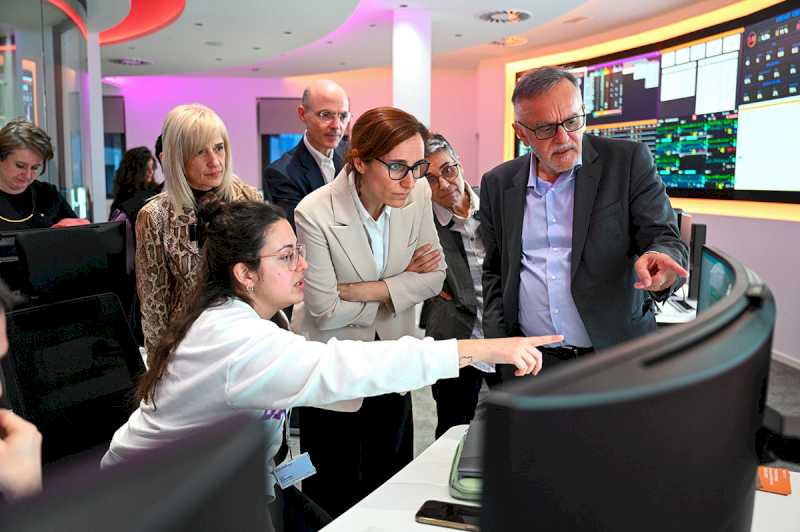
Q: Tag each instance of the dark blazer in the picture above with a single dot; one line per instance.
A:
(290, 178)
(442, 318)
(621, 210)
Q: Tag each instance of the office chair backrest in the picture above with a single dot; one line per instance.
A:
(71, 370)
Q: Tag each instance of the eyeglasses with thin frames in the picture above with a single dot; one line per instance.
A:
(398, 171)
(449, 173)
(329, 116)
(548, 131)
(289, 256)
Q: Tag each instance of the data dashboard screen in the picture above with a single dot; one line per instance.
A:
(719, 112)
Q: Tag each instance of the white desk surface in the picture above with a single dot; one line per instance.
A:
(392, 506)
(670, 312)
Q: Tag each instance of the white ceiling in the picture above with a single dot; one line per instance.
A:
(331, 35)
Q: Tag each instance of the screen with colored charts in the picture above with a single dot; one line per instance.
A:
(718, 108)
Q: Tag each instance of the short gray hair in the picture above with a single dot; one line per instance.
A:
(541, 80)
(437, 143)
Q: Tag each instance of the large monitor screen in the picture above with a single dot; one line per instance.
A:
(718, 108)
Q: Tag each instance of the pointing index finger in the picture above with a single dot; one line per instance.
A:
(544, 340)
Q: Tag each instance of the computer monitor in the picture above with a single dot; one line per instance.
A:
(68, 262)
(212, 480)
(696, 243)
(716, 279)
(71, 370)
(657, 434)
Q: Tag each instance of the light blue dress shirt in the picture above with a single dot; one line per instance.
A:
(545, 297)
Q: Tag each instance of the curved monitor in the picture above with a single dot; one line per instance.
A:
(657, 434)
(716, 107)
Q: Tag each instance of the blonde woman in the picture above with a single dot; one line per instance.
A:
(198, 168)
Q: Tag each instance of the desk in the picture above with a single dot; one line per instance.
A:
(392, 506)
(670, 312)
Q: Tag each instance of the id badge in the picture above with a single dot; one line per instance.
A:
(294, 470)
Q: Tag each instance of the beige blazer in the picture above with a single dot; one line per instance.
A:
(338, 251)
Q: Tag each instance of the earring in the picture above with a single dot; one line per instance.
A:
(251, 288)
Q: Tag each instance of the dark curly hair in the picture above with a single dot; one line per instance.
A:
(129, 178)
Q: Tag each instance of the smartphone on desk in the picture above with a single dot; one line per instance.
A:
(450, 515)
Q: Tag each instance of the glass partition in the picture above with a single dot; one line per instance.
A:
(43, 76)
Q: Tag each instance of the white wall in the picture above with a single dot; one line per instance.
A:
(769, 248)
(149, 98)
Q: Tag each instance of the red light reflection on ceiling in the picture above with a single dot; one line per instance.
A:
(145, 17)
(70, 12)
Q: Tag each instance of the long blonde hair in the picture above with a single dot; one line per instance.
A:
(187, 130)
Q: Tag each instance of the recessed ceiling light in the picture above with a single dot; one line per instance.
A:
(131, 48)
(254, 69)
(214, 43)
(198, 24)
(372, 25)
(256, 48)
(505, 16)
(342, 63)
(130, 61)
(287, 32)
(459, 35)
(219, 59)
(403, 5)
(328, 42)
(514, 40)
(575, 20)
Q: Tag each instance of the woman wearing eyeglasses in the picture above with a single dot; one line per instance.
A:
(230, 352)
(457, 312)
(373, 254)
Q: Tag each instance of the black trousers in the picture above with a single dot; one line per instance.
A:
(293, 511)
(457, 398)
(355, 452)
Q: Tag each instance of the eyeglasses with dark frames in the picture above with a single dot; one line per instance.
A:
(398, 171)
(290, 256)
(449, 173)
(548, 131)
(329, 116)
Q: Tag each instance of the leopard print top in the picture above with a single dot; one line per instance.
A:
(167, 260)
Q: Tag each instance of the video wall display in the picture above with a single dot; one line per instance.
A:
(719, 109)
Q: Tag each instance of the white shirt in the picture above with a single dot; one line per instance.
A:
(325, 162)
(469, 228)
(231, 361)
(377, 230)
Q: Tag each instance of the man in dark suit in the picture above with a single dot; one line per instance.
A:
(325, 110)
(580, 236)
(456, 312)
